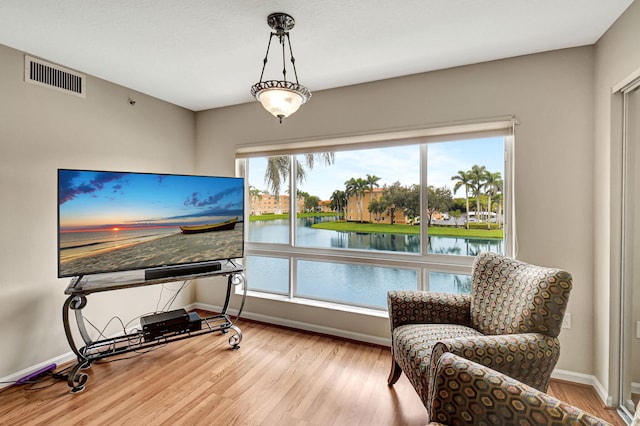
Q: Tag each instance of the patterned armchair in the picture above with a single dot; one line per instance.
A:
(469, 393)
(510, 322)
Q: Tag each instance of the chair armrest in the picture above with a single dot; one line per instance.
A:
(422, 307)
(528, 358)
(465, 390)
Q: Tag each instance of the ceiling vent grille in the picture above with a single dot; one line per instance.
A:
(42, 73)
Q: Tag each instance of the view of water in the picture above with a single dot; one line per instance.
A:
(277, 231)
(362, 285)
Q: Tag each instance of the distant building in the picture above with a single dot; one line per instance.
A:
(271, 204)
(324, 206)
(361, 213)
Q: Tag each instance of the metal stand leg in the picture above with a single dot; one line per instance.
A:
(235, 339)
(76, 380)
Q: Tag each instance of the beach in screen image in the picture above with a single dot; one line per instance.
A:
(162, 249)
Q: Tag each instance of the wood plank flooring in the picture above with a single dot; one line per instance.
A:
(277, 377)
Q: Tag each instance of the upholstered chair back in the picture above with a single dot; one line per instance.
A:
(510, 297)
(466, 392)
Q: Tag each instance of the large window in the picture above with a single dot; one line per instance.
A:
(345, 223)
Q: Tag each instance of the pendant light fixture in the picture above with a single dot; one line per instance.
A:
(280, 97)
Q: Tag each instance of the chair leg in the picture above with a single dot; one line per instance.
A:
(395, 373)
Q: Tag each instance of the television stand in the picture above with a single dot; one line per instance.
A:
(93, 350)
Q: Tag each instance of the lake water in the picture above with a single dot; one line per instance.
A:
(361, 285)
(277, 231)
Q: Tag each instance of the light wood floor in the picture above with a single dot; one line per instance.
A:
(277, 377)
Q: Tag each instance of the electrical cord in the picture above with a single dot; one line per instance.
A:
(30, 385)
(134, 339)
(101, 333)
(172, 299)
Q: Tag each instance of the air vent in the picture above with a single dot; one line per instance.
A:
(42, 73)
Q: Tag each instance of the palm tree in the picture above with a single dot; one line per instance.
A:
(371, 182)
(463, 178)
(356, 187)
(277, 173)
(478, 175)
(500, 201)
(327, 157)
(279, 168)
(493, 186)
(301, 195)
(338, 200)
(254, 194)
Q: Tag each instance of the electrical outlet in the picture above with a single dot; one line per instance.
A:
(566, 321)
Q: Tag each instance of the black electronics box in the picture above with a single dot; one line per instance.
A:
(169, 323)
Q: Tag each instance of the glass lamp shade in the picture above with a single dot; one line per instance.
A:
(280, 102)
(280, 98)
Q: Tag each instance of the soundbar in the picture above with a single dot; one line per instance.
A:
(180, 270)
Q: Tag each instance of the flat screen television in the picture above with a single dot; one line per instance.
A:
(115, 221)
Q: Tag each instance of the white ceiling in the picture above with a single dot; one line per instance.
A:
(203, 54)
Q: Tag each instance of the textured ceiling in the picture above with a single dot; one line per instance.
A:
(205, 54)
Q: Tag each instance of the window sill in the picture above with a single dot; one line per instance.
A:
(317, 303)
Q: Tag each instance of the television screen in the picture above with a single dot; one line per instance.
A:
(114, 221)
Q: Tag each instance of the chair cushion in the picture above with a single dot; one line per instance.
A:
(412, 346)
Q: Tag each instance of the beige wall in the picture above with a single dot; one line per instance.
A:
(552, 96)
(42, 130)
(616, 57)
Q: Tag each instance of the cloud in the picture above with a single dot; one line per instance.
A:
(196, 201)
(102, 178)
(68, 190)
(228, 210)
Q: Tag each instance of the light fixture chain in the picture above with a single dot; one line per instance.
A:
(264, 61)
(293, 60)
(284, 62)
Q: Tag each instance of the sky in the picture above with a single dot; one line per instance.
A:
(91, 200)
(398, 163)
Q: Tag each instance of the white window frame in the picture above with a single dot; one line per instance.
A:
(423, 262)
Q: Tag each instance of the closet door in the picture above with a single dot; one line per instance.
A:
(630, 371)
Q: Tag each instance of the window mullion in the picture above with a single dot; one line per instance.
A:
(293, 223)
(509, 196)
(293, 199)
(423, 199)
(293, 276)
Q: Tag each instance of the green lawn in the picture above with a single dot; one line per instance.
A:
(274, 216)
(477, 230)
(408, 229)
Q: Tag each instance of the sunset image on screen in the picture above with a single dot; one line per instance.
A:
(112, 221)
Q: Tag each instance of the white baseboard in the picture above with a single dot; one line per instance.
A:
(584, 379)
(12, 378)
